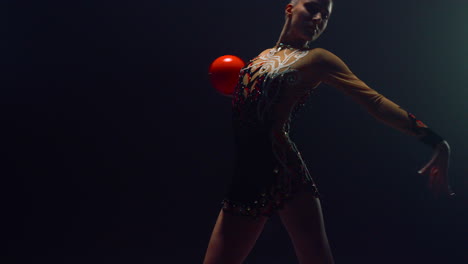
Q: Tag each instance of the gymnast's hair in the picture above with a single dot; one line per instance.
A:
(294, 2)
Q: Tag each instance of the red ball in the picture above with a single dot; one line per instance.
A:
(224, 73)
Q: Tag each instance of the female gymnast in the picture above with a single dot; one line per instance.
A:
(270, 175)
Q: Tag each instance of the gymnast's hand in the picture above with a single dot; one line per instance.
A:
(437, 170)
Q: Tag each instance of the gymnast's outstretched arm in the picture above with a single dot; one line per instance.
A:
(334, 72)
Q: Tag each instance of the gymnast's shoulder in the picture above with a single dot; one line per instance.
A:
(324, 60)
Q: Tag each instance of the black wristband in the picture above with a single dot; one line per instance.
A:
(430, 138)
(426, 135)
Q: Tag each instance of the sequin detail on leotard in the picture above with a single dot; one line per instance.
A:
(269, 168)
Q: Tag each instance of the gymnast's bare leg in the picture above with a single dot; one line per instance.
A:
(233, 238)
(302, 218)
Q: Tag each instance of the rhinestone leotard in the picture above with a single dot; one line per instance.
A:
(268, 168)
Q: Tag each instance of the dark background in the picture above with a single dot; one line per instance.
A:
(115, 148)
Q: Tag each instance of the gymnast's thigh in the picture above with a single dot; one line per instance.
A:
(233, 238)
(303, 219)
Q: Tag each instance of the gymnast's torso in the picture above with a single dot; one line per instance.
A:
(268, 166)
